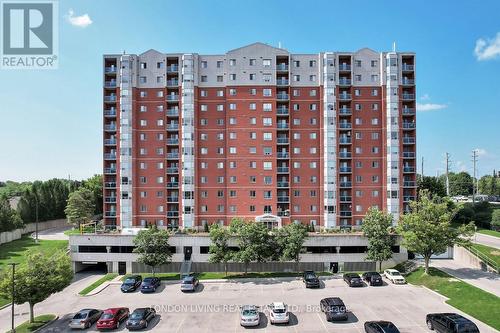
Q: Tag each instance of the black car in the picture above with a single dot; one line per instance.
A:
(450, 323)
(334, 308)
(310, 279)
(353, 280)
(380, 327)
(150, 284)
(131, 283)
(373, 278)
(140, 318)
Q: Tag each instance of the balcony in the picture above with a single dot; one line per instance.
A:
(110, 70)
(172, 170)
(345, 140)
(408, 169)
(409, 154)
(282, 82)
(110, 99)
(110, 84)
(109, 184)
(172, 127)
(173, 69)
(282, 97)
(110, 156)
(408, 82)
(282, 111)
(345, 154)
(172, 199)
(282, 67)
(172, 141)
(109, 171)
(172, 112)
(172, 184)
(283, 155)
(345, 184)
(283, 199)
(409, 183)
(110, 113)
(344, 67)
(172, 83)
(408, 111)
(409, 140)
(171, 156)
(345, 198)
(282, 125)
(110, 127)
(110, 199)
(408, 97)
(409, 126)
(345, 169)
(345, 213)
(173, 98)
(344, 125)
(110, 142)
(408, 198)
(344, 82)
(407, 68)
(282, 141)
(283, 213)
(173, 213)
(283, 169)
(345, 97)
(111, 213)
(283, 184)
(345, 111)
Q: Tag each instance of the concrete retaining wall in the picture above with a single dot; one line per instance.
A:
(9, 236)
(463, 256)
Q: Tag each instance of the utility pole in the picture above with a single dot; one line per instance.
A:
(422, 167)
(474, 161)
(13, 264)
(447, 172)
(36, 217)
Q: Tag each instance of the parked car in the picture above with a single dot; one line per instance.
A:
(334, 308)
(310, 279)
(450, 323)
(140, 318)
(373, 278)
(380, 327)
(112, 318)
(353, 280)
(85, 318)
(131, 283)
(189, 283)
(278, 313)
(394, 276)
(150, 284)
(249, 315)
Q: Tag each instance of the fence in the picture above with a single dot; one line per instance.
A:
(9, 236)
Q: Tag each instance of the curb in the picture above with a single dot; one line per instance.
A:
(488, 236)
(436, 293)
(46, 324)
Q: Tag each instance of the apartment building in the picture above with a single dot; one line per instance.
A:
(257, 133)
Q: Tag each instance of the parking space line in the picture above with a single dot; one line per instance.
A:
(321, 320)
(180, 324)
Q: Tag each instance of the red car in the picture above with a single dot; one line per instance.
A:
(112, 318)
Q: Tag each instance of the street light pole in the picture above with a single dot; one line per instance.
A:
(13, 264)
(36, 218)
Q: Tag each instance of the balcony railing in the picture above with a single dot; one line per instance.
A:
(345, 111)
(172, 83)
(408, 111)
(283, 169)
(172, 141)
(173, 213)
(345, 140)
(345, 169)
(408, 97)
(172, 170)
(172, 126)
(110, 113)
(345, 125)
(282, 140)
(345, 184)
(345, 97)
(283, 199)
(344, 82)
(283, 155)
(408, 154)
(110, 184)
(109, 156)
(408, 140)
(408, 169)
(109, 171)
(282, 82)
(110, 142)
(173, 98)
(282, 125)
(110, 199)
(110, 98)
(110, 214)
(282, 97)
(407, 198)
(345, 154)
(282, 67)
(409, 125)
(408, 82)
(409, 183)
(110, 84)
(172, 199)
(283, 184)
(345, 198)
(407, 68)
(173, 69)
(173, 184)
(172, 155)
(282, 111)
(110, 70)
(172, 113)
(110, 127)
(344, 67)
(345, 213)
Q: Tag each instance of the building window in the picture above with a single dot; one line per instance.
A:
(266, 62)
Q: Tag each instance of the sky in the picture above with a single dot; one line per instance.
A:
(51, 120)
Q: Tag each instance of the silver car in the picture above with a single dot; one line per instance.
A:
(278, 313)
(85, 318)
(249, 315)
(189, 283)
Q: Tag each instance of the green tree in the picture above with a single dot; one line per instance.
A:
(377, 227)
(220, 251)
(495, 219)
(153, 248)
(94, 184)
(460, 183)
(427, 229)
(434, 185)
(290, 240)
(489, 184)
(9, 218)
(80, 207)
(41, 277)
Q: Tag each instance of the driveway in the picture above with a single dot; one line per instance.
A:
(486, 240)
(214, 306)
(53, 234)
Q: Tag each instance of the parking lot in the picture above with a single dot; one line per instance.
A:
(214, 306)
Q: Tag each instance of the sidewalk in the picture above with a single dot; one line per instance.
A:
(486, 240)
(487, 281)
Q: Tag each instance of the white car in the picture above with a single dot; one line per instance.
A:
(249, 315)
(394, 276)
(278, 313)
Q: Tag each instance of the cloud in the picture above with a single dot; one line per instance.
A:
(430, 106)
(488, 48)
(425, 97)
(81, 21)
(461, 166)
(481, 152)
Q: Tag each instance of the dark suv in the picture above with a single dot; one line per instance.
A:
(131, 283)
(353, 280)
(380, 327)
(450, 323)
(310, 279)
(334, 308)
(373, 278)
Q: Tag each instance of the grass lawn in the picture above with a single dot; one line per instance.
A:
(490, 252)
(105, 278)
(221, 275)
(463, 296)
(489, 232)
(39, 322)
